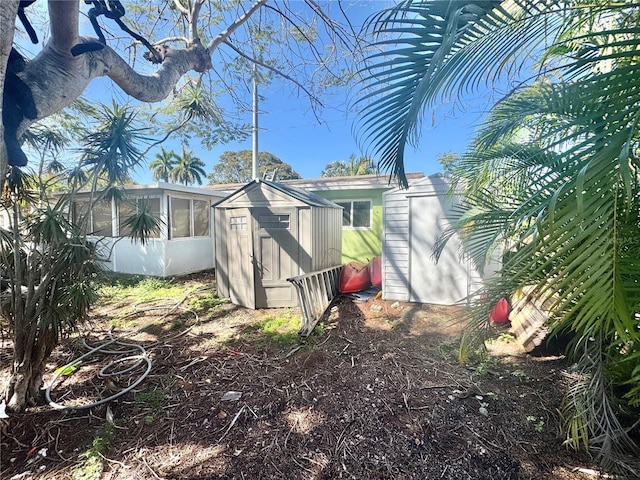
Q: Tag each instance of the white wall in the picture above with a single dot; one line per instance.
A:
(187, 255)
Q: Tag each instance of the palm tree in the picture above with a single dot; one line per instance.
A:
(164, 164)
(554, 170)
(49, 141)
(189, 169)
(50, 262)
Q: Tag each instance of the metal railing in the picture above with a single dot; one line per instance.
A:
(316, 291)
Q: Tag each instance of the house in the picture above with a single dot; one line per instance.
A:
(267, 232)
(361, 199)
(184, 243)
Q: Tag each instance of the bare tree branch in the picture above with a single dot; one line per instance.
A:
(274, 70)
(193, 21)
(222, 36)
(172, 39)
(180, 7)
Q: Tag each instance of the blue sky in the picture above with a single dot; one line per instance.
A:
(291, 132)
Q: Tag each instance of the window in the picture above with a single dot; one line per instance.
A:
(102, 222)
(355, 213)
(201, 210)
(274, 221)
(238, 223)
(180, 217)
(128, 208)
(98, 222)
(189, 217)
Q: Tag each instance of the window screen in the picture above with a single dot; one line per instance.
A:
(346, 213)
(201, 210)
(356, 213)
(126, 209)
(180, 217)
(102, 223)
(361, 215)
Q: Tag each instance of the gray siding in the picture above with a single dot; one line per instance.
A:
(220, 227)
(327, 238)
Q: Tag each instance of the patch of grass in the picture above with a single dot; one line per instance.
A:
(206, 302)
(318, 331)
(283, 328)
(91, 466)
(123, 323)
(121, 288)
(153, 398)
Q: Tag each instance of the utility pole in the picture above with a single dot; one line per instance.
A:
(254, 151)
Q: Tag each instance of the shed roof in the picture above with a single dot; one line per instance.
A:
(303, 196)
(435, 184)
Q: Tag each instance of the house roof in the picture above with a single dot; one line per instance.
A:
(174, 187)
(357, 182)
(303, 196)
(170, 187)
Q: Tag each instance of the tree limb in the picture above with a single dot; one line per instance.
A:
(222, 36)
(172, 39)
(64, 20)
(180, 7)
(274, 70)
(193, 21)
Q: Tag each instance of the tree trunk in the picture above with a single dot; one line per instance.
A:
(25, 385)
(8, 13)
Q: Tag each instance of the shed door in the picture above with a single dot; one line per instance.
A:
(240, 258)
(276, 247)
(444, 283)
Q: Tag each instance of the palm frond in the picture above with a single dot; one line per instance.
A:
(429, 50)
(143, 225)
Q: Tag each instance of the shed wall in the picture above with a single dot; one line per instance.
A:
(326, 232)
(222, 256)
(413, 219)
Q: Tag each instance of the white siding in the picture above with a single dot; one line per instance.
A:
(395, 246)
(413, 219)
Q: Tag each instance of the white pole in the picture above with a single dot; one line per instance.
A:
(254, 155)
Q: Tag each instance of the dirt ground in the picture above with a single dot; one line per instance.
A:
(376, 392)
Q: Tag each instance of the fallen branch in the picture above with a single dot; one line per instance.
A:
(233, 422)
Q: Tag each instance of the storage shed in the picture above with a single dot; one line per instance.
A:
(412, 221)
(267, 232)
